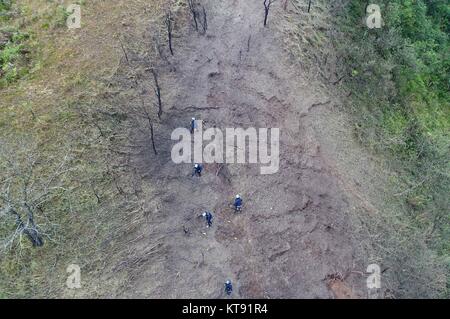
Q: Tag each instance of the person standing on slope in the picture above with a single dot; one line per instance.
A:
(238, 203)
(228, 287)
(193, 126)
(208, 217)
(197, 171)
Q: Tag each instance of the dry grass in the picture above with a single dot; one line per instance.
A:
(70, 71)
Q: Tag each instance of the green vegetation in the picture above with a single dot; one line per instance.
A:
(18, 46)
(399, 76)
(13, 52)
(5, 5)
(13, 57)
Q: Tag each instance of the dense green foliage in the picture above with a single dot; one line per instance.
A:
(400, 77)
(13, 51)
(17, 46)
(5, 5)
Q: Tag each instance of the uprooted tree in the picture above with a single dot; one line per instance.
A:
(28, 183)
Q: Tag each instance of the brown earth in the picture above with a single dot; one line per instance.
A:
(295, 229)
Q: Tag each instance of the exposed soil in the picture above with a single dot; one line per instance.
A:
(295, 230)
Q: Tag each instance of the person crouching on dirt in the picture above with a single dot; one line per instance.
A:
(208, 217)
(228, 287)
(193, 125)
(238, 203)
(197, 171)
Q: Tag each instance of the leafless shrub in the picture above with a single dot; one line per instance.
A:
(28, 182)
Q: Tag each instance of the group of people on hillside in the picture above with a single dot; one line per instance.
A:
(208, 216)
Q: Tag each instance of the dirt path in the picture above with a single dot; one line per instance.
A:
(295, 229)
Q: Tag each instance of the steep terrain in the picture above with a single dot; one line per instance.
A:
(130, 216)
(295, 231)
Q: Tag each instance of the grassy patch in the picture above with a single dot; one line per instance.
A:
(51, 105)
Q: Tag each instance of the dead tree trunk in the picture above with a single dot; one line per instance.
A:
(29, 229)
(267, 4)
(194, 13)
(152, 133)
(157, 89)
(169, 26)
(309, 5)
(146, 114)
(152, 136)
(204, 20)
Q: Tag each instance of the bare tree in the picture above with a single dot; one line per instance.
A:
(139, 109)
(267, 4)
(169, 24)
(157, 90)
(142, 111)
(199, 16)
(204, 20)
(27, 183)
(194, 13)
(152, 137)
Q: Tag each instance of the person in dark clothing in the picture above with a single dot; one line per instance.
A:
(238, 203)
(193, 125)
(208, 217)
(228, 287)
(197, 170)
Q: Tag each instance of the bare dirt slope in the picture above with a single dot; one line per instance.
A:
(294, 238)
